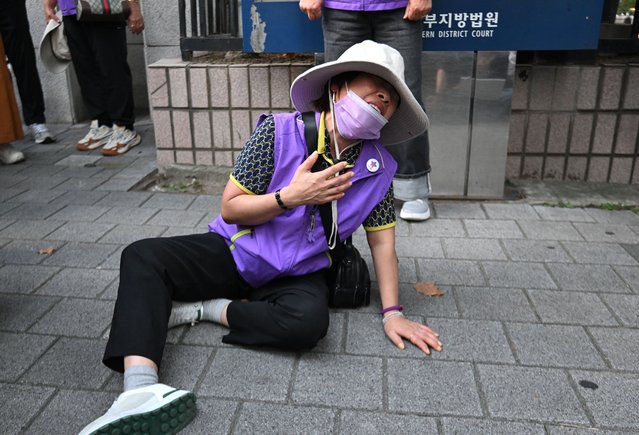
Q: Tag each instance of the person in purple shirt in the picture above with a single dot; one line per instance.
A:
(99, 56)
(260, 270)
(398, 24)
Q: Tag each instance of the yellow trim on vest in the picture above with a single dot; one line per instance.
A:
(383, 227)
(238, 235)
(242, 188)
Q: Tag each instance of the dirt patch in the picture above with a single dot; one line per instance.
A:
(198, 180)
(239, 57)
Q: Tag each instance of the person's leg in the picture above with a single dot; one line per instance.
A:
(342, 29)
(411, 182)
(14, 25)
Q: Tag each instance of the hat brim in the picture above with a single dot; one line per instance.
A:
(48, 57)
(408, 121)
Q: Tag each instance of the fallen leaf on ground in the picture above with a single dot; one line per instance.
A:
(47, 251)
(428, 289)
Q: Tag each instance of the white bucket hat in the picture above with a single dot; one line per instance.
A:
(385, 62)
(54, 50)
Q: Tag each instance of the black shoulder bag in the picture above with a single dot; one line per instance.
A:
(349, 283)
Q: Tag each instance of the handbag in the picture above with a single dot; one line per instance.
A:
(102, 10)
(348, 279)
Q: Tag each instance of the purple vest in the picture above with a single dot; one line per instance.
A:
(365, 5)
(294, 243)
(67, 7)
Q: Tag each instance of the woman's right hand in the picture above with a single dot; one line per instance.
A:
(312, 8)
(321, 187)
(49, 10)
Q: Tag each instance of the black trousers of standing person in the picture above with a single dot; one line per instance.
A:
(14, 27)
(287, 313)
(99, 55)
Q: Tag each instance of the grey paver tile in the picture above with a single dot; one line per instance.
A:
(571, 308)
(111, 291)
(517, 275)
(484, 303)
(5, 223)
(177, 218)
(6, 207)
(472, 340)
(18, 405)
(580, 277)
(80, 184)
(450, 272)
(333, 342)
(436, 228)
(563, 214)
(84, 255)
(40, 182)
(70, 363)
(365, 336)
(537, 394)
(80, 231)
(27, 251)
(473, 249)
(32, 211)
(618, 217)
(113, 260)
(208, 203)
(549, 251)
(335, 380)
(543, 230)
(554, 346)
(420, 247)
(419, 305)
(471, 426)
(183, 365)
(29, 229)
(630, 275)
(37, 196)
(80, 197)
(416, 386)
(127, 215)
(599, 253)
(632, 249)
(510, 211)
(24, 278)
(79, 213)
(458, 209)
(597, 232)
(248, 374)
(9, 178)
(85, 172)
(19, 351)
(212, 413)
(18, 312)
(407, 269)
(78, 161)
(493, 229)
(125, 234)
(621, 346)
(7, 193)
(614, 402)
(270, 418)
(69, 318)
(572, 430)
(367, 423)
(183, 231)
(626, 307)
(175, 201)
(205, 334)
(117, 184)
(123, 199)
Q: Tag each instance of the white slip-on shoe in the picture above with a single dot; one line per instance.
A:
(9, 155)
(97, 136)
(185, 312)
(40, 133)
(156, 409)
(121, 141)
(417, 210)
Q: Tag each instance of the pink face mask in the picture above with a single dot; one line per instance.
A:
(356, 119)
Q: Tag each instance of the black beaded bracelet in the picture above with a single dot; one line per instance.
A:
(279, 200)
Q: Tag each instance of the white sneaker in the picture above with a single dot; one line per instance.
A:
(95, 138)
(183, 313)
(40, 133)
(122, 140)
(416, 210)
(9, 155)
(157, 409)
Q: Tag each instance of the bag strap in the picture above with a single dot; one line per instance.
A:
(310, 135)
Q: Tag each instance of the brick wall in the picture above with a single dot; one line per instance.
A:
(575, 123)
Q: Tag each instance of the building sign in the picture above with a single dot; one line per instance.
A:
(278, 26)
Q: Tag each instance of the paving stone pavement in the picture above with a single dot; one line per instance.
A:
(539, 317)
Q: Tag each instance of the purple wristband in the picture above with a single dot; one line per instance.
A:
(391, 308)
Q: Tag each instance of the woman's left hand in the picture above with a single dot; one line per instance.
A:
(399, 328)
(135, 21)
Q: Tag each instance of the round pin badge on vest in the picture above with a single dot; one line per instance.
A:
(372, 165)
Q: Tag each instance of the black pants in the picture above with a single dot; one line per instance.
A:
(14, 27)
(288, 313)
(99, 55)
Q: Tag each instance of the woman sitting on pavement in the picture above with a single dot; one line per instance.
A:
(260, 270)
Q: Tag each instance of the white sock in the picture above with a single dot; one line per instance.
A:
(213, 309)
(139, 376)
